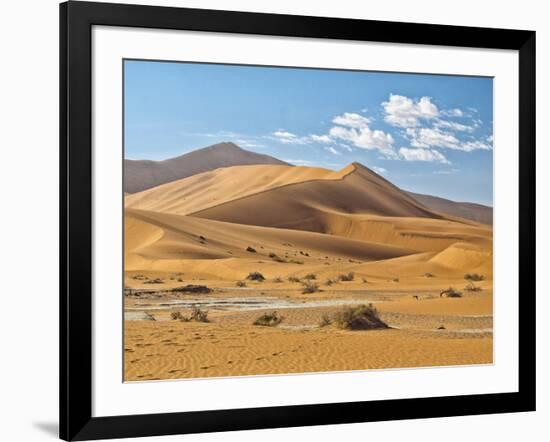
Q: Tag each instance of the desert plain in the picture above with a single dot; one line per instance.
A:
(248, 269)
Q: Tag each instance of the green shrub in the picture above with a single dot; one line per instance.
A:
(269, 319)
(361, 317)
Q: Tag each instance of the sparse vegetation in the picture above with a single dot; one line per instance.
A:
(175, 316)
(139, 277)
(192, 288)
(199, 315)
(329, 282)
(251, 249)
(310, 287)
(277, 279)
(361, 317)
(154, 281)
(347, 276)
(395, 279)
(473, 277)
(295, 261)
(240, 284)
(365, 280)
(269, 319)
(255, 276)
(450, 293)
(293, 279)
(310, 276)
(325, 321)
(471, 287)
(276, 257)
(429, 275)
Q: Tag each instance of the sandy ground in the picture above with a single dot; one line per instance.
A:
(229, 345)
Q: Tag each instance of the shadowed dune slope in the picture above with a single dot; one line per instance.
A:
(357, 191)
(175, 237)
(144, 174)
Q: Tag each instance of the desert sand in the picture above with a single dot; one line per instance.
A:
(300, 228)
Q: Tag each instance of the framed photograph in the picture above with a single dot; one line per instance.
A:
(272, 220)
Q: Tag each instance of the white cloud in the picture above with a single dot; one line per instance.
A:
(355, 129)
(286, 137)
(379, 170)
(321, 138)
(453, 112)
(283, 134)
(365, 138)
(333, 151)
(475, 145)
(422, 155)
(299, 162)
(445, 172)
(248, 143)
(350, 119)
(453, 126)
(426, 137)
(404, 112)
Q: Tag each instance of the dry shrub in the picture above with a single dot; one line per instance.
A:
(269, 319)
(361, 317)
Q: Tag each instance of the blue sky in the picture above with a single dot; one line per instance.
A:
(425, 133)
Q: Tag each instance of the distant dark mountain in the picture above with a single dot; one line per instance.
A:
(472, 211)
(143, 174)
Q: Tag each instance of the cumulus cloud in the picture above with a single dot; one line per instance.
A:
(453, 112)
(402, 111)
(350, 119)
(286, 137)
(321, 138)
(427, 137)
(365, 138)
(422, 155)
(354, 128)
(283, 134)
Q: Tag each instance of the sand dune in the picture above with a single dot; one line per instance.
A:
(173, 237)
(242, 194)
(354, 234)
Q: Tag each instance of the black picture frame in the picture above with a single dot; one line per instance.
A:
(76, 21)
